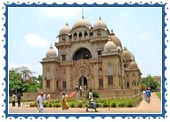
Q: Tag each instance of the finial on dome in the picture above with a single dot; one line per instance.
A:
(82, 14)
(51, 47)
(125, 48)
(67, 24)
(100, 18)
(112, 32)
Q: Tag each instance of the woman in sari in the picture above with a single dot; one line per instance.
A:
(64, 102)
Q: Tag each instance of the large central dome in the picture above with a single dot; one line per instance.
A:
(82, 23)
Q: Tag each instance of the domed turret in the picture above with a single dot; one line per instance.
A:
(119, 49)
(133, 65)
(127, 54)
(82, 23)
(109, 46)
(65, 29)
(115, 39)
(51, 52)
(100, 24)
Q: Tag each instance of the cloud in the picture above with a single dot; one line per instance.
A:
(125, 14)
(65, 12)
(144, 36)
(14, 65)
(35, 40)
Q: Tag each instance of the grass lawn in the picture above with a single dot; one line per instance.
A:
(159, 95)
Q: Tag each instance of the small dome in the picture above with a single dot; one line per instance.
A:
(65, 29)
(119, 49)
(133, 65)
(127, 54)
(115, 39)
(109, 46)
(100, 24)
(83, 22)
(51, 52)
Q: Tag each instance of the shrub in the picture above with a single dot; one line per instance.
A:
(122, 104)
(105, 104)
(113, 104)
(80, 105)
(72, 105)
(129, 103)
(33, 104)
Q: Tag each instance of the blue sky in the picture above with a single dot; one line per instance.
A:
(31, 31)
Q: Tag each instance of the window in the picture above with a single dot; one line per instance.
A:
(98, 33)
(133, 75)
(47, 83)
(64, 84)
(57, 84)
(133, 83)
(85, 34)
(80, 35)
(100, 69)
(63, 39)
(110, 80)
(63, 57)
(70, 37)
(99, 53)
(75, 35)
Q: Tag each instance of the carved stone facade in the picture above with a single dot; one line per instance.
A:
(90, 57)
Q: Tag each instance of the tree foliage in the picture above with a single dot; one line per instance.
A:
(150, 82)
(22, 79)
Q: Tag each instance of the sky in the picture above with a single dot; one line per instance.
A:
(31, 31)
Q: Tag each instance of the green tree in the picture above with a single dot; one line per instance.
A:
(150, 82)
(22, 79)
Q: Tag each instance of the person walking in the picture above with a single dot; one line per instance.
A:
(64, 102)
(19, 99)
(80, 91)
(13, 99)
(40, 103)
(92, 104)
(148, 95)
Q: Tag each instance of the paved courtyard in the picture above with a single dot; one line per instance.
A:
(153, 107)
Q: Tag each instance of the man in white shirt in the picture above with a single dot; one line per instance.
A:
(40, 103)
(92, 104)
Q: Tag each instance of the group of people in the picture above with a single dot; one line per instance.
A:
(64, 104)
(147, 95)
(16, 97)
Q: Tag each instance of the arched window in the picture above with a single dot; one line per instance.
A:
(99, 33)
(91, 34)
(82, 53)
(85, 34)
(63, 38)
(70, 37)
(80, 35)
(75, 36)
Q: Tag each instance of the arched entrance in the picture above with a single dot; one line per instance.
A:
(83, 82)
(82, 53)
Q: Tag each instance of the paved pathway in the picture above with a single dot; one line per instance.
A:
(153, 107)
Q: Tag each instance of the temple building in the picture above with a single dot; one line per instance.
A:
(90, 56)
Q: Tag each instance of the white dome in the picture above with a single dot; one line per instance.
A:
(133, 65)
(51, 52)
(83, 22)
(100, 24)
(119, 49)
(65, 29)
(109, 46)
(127, 54)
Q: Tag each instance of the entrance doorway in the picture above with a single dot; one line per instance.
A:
(100, 84)
(83, 83)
